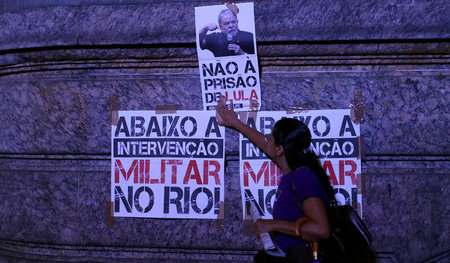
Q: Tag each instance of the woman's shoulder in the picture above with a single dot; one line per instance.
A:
(304, 171)
(304, 174)
(307, 184)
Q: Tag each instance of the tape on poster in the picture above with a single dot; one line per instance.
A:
(109, 214)
(248, 221)
(221, 216)
(114, 109)
(164, 109)
(361, 185)
(232, 6)
(245, 115)
(297, 108)
(362, 152)
(254, 106)
(359, 209)
(357, 107)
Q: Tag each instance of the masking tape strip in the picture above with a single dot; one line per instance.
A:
(361, 189)
(362, 152)
(221, 216)
(164, 109)
(252, 113)
(232, 6)
(361, 186)
(357, 107)
(297, 108)
(245, 115)
(114, 109)
(109, 212)
(248, 221)
(254, 106)
(359, 210)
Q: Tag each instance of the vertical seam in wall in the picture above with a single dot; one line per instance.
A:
(78, 209)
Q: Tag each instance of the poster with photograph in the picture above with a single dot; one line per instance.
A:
(335, 139)
(167, 165)
(228, 61)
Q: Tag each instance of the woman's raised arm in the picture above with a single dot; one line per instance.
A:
(227, 117)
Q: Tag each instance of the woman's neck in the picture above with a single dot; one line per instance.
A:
(282, 163)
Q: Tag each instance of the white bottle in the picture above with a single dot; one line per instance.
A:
(264, 237)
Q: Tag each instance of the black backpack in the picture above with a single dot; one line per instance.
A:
(349, 240)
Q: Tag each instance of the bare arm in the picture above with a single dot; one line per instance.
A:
(230, 119)
(314, 228)
(317, 225)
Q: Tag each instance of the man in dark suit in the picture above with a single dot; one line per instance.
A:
(231, 41)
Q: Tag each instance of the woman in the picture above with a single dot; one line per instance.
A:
(288, 147)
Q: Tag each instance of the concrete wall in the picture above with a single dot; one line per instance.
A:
(62, 62)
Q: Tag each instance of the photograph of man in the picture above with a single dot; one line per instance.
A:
(230, 41)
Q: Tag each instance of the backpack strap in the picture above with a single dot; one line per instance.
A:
(313, 247)
(295, 195)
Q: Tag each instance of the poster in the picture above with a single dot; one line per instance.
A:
(167, 165)
(228, 61)
(335, 139)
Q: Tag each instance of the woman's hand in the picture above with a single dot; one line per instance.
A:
(262, 226)
(226, 117)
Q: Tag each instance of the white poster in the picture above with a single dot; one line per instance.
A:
(228, 61)
(334, 140)
(167, 165)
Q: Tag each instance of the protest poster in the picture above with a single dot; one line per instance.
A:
(167, 165)
(228, 61)
(335, 139)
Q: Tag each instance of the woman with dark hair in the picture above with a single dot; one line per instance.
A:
(288, 147)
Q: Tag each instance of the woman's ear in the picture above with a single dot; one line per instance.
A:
(279, 150)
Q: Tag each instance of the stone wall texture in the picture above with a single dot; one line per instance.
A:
(62, 63)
